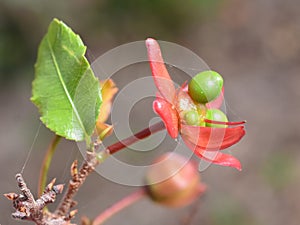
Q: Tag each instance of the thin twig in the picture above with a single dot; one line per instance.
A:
(122, 204)
(187, 220)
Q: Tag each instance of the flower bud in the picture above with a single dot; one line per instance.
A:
(173, 180)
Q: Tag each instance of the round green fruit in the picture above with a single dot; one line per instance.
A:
(191, 117)
(216, 115)
(205, 86)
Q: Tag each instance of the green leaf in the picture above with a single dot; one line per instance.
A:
(65, 89)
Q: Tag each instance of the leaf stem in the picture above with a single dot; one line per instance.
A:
(136, 137)
(46, 164)
(120, 205)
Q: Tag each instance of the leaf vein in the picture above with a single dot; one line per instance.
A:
(65, 88)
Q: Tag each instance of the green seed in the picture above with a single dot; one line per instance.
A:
(191, 117)
(205, 86)
(216, 115)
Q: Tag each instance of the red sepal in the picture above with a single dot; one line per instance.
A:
(211, 138)
(159, 71)
(215, 156)
(168, 114)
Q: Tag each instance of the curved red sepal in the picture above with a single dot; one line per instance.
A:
(159, 71)
(216, 104)
(215, 157)
(168, 114)
(209, 138)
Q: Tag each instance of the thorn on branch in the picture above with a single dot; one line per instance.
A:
(78, 178)
(72, 214)
(74, 170)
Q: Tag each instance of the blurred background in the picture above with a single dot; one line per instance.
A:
(254, 44)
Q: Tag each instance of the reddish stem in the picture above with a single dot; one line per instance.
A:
(136, 137)
(225, 123)
(123, 203)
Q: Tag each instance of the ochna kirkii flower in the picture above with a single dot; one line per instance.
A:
(194, 118)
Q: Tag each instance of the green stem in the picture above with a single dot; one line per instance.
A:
(120, 205)
(46, 164)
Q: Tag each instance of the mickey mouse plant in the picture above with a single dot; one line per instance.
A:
(192, 111)
(75, 105)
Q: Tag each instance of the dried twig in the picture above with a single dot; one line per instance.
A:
(78, 178)
(27, 208)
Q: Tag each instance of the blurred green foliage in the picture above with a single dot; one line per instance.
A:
(227, 211)
(14, 50)
(22, 24)
(152, 17)
(279, 170)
